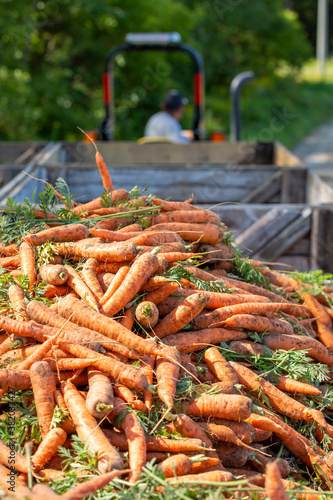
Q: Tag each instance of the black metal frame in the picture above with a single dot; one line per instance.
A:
(108, 123)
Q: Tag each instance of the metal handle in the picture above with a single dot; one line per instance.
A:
(235, 91)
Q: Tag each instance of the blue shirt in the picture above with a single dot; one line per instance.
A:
(164, 125)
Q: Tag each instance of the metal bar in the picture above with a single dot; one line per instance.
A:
(235, 114)
(108, 124)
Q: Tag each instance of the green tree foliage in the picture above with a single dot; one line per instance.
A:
(53, 53)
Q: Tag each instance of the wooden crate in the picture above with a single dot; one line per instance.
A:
(259, 190)
(14, 156)
(212, 172)
(298, 236)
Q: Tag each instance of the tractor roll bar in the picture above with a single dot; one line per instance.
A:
(108, 124)
(235, 91)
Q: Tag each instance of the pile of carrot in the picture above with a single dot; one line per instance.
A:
(149, 348)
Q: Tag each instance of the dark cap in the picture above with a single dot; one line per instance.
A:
(174, 100)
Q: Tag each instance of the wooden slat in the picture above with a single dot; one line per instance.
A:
(322, 239)
(294, 182)
(282, 156)
(287, 237)
(132, 153)
(207, 186)
(265, 191)
(266, 229)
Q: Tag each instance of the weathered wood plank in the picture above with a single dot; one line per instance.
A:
(266, 229)
(265, 191)
(320, 187)
(287, 237)
(128, 153)
(213, 186)
(282, 156)
(293, 187)
(322, 239)
(22, 185)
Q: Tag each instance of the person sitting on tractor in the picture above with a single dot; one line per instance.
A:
(166, 124)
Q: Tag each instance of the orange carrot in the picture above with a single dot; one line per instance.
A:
(88, 488)
(43, 386)
(48, 447)
(79, 286)
(109, 267)
(27, 258)
(222, 370)
(261, 435)
(315, 349)
(217, 476)
(187, 216)
(167, 373)
(291, 385)
(42, 314)
(16, 379)
(88, 274)
(260, 462)
(142, 268)
(100, 399)
(131, 228)
(216, 300)
(85, 316)
(244, 430)
(16, 296)
(104, 280)
(173, 205)
(205, 233)
(175, 246)
(67, 424)
(162, 292)
(103, 252)
(248, 348)
(230, 406)
(64, 364)
(279, 401)
(9, 457)
(111, 236)
(177, 465)
(223, 433)
(147, 314)
(9, 250)
(89, 431)
(115, 284)
(12, 261)
(70, 232)
(128, 319)
(135, 436)
(181, 316)
(273, 484)
(127, 395)
(218, 317)
(156, 443)
(38, 354)
(51, 291)
(53, 274)
(232, 455)
(147, 364)
(323, 321)
(195, 341)
(178, 256)
(155, 238)
(117, 371)
(103, 170)
(9, 481)
(259, 324)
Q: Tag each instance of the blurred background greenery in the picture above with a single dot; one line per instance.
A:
(53, 53)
